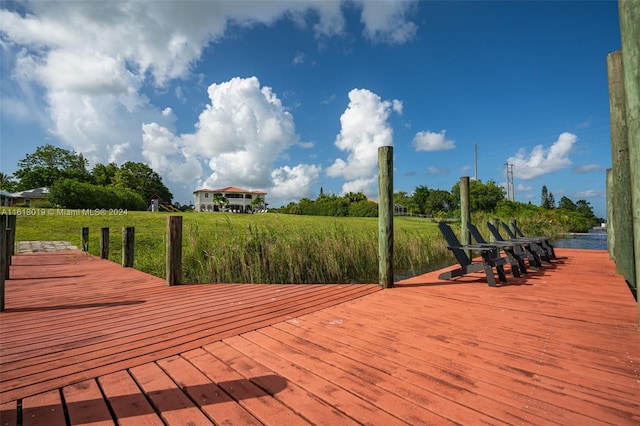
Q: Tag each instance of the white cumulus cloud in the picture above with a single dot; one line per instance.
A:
(238, 139)
(543, 160)
(91, 61)
(431, 141)
(364, 129)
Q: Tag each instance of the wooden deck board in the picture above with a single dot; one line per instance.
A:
(87, 341)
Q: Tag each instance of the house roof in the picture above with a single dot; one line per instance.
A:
(32, 193)
(6, 194)
(230, 189)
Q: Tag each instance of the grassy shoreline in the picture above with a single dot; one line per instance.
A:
(238, 248)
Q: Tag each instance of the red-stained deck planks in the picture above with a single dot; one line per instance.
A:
(87, 340)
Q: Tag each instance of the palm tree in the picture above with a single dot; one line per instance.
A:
(5, 180)
(220, 201)
(258, 202)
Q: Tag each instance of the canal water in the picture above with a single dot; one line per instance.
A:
(596, 239)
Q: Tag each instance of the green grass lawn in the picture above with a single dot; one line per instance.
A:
(264, 248)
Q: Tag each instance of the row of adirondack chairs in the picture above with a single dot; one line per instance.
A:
(517, 249)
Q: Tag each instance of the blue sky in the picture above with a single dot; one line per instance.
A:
(291, 97)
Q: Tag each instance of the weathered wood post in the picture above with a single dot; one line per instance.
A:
(104, 243)
(10, 243)
(385, 216)
(84, 239)
(621, 188)
(495, 222)
(611, 229)
(465, 212)
(128, 237)
(629, 12)
(174, 250)
(3, 256)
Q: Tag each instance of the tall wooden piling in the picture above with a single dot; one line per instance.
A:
(3, 256)
(128, 238)
(465, 211)
(104, 243)
(621, 172)
(174, 250)
(385, 216)
(629, 12)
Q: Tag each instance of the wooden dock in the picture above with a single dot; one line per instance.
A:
(85, 341)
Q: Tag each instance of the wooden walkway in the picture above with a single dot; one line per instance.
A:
(85, 341)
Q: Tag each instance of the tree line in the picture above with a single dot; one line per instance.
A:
(486, 197)
(72, 185)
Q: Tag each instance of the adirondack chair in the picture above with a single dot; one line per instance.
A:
(533, 253)
(545, 242)
(489, 259)
(533, 243)
(515, 253)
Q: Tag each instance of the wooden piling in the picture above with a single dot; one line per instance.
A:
(128, 237)
(629, 12)
(174, 250)
(621, 188)
(3, 256)
(10, 232)
(104, 243)
(385, 216)
(465, 211)
(84, 239)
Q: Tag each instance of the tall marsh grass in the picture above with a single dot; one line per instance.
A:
(284, 252)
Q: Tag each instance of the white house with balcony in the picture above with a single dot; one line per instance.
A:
(236, 200)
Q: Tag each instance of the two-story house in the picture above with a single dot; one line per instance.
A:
(236, 200)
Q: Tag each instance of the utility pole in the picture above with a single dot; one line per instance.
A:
(475, 161)
(510, 188)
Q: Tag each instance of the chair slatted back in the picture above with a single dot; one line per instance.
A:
(454, 244)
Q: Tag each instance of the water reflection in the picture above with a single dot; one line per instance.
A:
(594, 240)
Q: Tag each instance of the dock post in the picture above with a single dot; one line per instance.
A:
(629, 12)
(174, 250)
(622, 211)
(465, 212)
(3, 256)
(128, 237)
(104, 243)
(385, 216)
(10, 243)
(84, 239)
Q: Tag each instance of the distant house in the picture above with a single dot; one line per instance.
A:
(6, 199)
(238, 200)
(398, 209)
(30, 195)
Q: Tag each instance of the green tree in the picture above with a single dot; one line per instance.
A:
(547, 200)
(483, 196)
(49, 164)
(258, 202)
(7, 183)
(220, 201)
(420, 197)
(142, 179)
(104, 174)
(567, 204)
